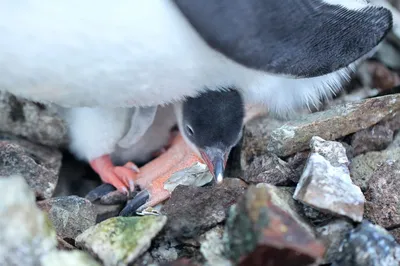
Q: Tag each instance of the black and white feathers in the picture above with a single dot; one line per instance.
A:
(104, 55)
(285, 54)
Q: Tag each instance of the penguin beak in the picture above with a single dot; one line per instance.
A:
(216, 161)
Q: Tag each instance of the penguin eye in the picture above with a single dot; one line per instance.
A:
(189, 130)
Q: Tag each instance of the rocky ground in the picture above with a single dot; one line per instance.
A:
(322, 188)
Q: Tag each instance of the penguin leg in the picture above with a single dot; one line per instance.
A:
(153, 175)
(121, 177)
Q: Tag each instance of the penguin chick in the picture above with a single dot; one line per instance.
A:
(210, 125)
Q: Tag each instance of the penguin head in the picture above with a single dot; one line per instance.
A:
(212, 124)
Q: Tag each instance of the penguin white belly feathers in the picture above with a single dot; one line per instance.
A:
(95, 132)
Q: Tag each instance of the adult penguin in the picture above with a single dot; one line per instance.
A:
(101, 55)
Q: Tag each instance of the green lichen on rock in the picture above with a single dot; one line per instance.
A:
(240, 237)
(120, 240)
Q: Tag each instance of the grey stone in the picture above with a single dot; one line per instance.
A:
(363, 166)
(269, 169)
(27, 236)
(196, 175)
(376, 138)
(38, 164)
(332, 235)
(121, 240)
(206, 208)
(165, 252)
(368, 245)
(383, 195)
(70, 215)
(262, 136)
(213, 248)
(326, 184)
(35, 122)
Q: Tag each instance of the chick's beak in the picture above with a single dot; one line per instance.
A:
(216, 161)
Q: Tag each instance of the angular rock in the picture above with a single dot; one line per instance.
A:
(262, 136)
(27, 236)
(164, 251)
(376, 138)
(120, 240)
(332, 235)
(383, 195)
(326, 184)
(35, 122)
(269, 169)
(70, 215)
(368, 245)
(46, 156)
(197, 175)
(38, 164)
(212, 247)
(206, 208)
(363, 166)
(260, 233)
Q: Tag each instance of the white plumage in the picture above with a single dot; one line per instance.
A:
(127, 53)
(103, 57)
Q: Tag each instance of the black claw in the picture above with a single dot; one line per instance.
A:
(99, 192)
(134, 204)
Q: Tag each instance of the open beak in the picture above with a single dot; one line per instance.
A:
(216, 161)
